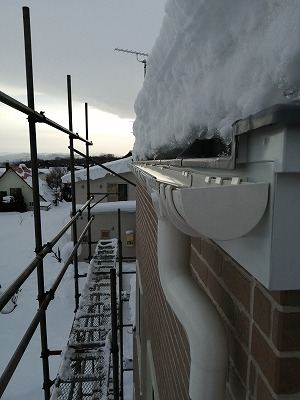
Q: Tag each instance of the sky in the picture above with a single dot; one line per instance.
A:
(215, 62)
(76, 38)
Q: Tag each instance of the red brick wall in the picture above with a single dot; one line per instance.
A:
(160, 326)
(263, 327)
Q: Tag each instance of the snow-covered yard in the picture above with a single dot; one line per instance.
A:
(17, 251)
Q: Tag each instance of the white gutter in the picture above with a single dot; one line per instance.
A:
(193, 308)
(195, 204)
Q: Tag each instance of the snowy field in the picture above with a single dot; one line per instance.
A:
(17, 251)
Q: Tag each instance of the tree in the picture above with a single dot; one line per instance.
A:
(54, 176)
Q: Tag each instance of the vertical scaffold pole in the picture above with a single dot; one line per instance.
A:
(88, 185)
(120, 304)
(73, 193)
(114, 332)
(36, 200)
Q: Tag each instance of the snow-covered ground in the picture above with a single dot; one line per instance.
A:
(17, 251)
(215, 62)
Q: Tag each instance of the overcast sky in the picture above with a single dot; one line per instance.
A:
(76, 38)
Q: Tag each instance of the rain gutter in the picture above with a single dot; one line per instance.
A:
(205, 201)
(197, 314)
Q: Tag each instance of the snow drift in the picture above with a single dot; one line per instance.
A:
(215, 62)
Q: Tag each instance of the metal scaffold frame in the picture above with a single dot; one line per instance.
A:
(42, 250)
(85, 368)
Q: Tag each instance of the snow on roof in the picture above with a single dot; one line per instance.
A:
(215, 62)
(111, 207)
(22, 171)
(44, 171)
(96, 172)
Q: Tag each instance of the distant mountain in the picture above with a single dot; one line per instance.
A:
(15, 157)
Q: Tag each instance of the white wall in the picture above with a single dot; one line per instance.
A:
(108, 222)
(100, 186)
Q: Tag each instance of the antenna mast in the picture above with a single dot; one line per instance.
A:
(137, 53)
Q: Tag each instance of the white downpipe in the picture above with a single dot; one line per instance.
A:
(195, 311)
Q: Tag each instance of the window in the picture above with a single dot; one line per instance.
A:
(14, 191)
(105, 234)
(117, 192)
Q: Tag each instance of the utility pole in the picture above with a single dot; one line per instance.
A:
(138, 54)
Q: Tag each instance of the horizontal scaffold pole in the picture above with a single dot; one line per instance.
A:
(20, 350)
(102, 166)
(47, 248)
(38, 117)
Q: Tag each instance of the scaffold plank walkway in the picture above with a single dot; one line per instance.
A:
(84, 373)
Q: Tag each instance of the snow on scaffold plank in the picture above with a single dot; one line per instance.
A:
(85, 366)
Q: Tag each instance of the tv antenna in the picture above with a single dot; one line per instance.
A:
(138, 54)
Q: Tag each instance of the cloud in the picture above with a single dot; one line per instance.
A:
(73, 38)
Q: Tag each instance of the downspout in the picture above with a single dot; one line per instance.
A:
(199, 317)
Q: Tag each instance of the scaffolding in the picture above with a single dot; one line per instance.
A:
(86, 362)
(82, 375)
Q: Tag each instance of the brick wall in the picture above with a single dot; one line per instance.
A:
(159, 324)
(263, 327)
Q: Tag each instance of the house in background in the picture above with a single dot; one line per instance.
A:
(111, 193)
(106, 226)
(104, 185)
(17, 179)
